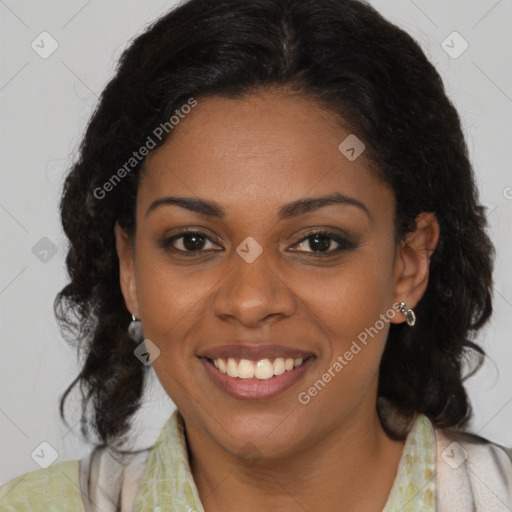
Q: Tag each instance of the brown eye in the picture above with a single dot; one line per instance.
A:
(188, 242)
(321, 242)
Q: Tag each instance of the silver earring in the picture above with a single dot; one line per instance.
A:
(410, 317)
(135, 330)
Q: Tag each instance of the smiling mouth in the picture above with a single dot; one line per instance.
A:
(262, 369)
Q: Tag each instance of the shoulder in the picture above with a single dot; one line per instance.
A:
(110, 480)
(473, 473)
(477, 445)
(54, 489)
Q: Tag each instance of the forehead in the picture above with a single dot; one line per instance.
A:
(262, 149)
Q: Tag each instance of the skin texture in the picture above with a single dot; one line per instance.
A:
(251, 156)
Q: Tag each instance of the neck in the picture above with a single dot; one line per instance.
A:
(345, 470)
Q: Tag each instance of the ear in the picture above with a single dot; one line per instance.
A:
(125, 253)
(412, 262)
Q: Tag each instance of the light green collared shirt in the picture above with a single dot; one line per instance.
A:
(167, 483)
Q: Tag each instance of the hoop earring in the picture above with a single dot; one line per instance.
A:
(409, 314)
(135, 330)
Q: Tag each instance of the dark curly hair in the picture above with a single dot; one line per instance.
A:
(345, 56)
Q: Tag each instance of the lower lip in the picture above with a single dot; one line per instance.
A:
(255, 389)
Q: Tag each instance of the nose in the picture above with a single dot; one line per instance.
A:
(253, 292)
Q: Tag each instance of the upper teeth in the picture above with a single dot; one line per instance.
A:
(261, 369)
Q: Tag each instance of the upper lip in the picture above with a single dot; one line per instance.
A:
(254, 352)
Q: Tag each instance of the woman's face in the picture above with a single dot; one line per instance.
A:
(252, 285)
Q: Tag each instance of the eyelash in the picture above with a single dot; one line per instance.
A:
(343, 243)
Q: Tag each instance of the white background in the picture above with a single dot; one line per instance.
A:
(44, 107)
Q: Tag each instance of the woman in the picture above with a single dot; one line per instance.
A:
(274, 207)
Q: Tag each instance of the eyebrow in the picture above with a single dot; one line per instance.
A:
(287, 211)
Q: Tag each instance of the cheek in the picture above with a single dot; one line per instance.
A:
(353, 307)
(168, 299)
(354, 295)
(354, 314)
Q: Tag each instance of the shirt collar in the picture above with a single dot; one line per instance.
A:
(414, 485)
(167, 482)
